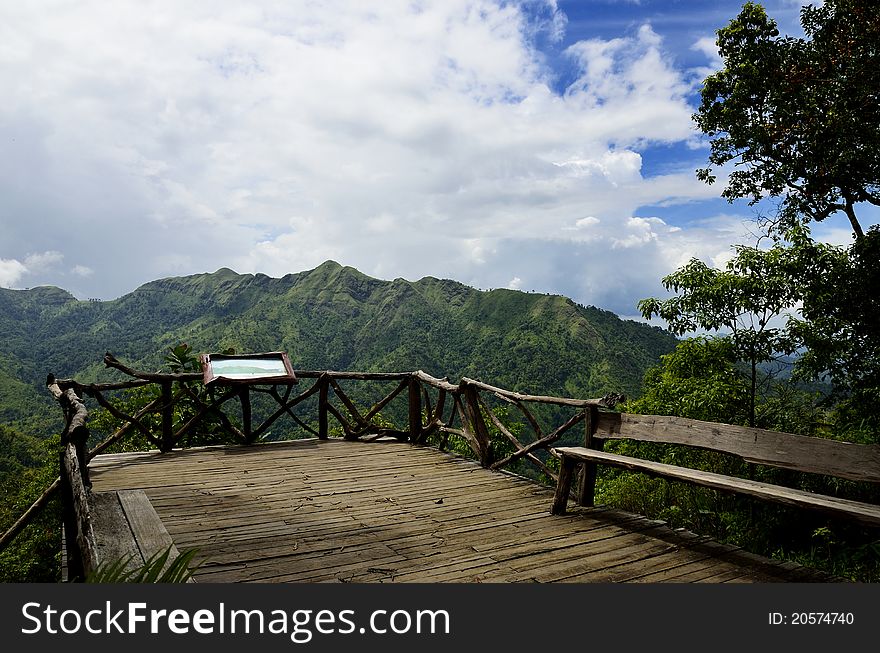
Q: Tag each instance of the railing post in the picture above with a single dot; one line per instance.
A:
(481, 432)
(75, 569)
(74, 481)
(324, 385)
(79, 527)
(244, 396)
(167, 442)
(587, 489)
(441, 404)
(415, 410)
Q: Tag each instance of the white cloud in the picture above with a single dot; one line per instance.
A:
(82, 271)
(42, 262)
(589, 221)
(403, 138)
(514, 284)
(708, 46)
(11, 271)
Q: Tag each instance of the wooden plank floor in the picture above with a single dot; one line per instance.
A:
(336, 511)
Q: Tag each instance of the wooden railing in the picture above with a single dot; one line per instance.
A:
(82, 549)
(435, 408)
(436, 412)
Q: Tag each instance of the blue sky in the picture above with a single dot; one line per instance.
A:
(536, 145)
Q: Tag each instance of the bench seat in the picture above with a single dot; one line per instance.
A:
(127, 527)
(864, 512)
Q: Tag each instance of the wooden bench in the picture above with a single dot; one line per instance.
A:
(127, 526)
(856, 462)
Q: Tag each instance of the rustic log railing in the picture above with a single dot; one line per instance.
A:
(435, 407)
(75, 485)
(436, 411)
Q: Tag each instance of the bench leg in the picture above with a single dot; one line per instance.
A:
(587, 491)
(563, 486)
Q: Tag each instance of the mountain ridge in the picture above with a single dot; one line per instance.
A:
(331, 317)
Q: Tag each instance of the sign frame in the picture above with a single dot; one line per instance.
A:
(212, 376)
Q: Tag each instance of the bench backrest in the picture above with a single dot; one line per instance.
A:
(857, 462)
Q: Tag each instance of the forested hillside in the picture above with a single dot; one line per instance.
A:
(332, 317)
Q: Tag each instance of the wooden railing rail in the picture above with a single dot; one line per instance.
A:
(75, 484)
(436, 408)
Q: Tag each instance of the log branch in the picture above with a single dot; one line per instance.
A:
(558, 401)
(156, 377)
(287, 407)
(519, 445)
(118, 414)
(349, 404)
(538, 444)
(531, 418)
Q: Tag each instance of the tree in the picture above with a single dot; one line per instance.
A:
(839, 319)
(799, 118)
(698, 380)
(742, 300)
(28, 466)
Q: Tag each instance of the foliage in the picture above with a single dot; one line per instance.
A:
(839, 322)
(743, 300)
(832, 316)
(798, 117)
(799, 121)
(698, 380)
(156, 569)
(27, 467)
(791, 407)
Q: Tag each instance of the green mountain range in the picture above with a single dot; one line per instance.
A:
(332, 317)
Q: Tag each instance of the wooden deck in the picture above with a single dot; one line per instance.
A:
(337, 511)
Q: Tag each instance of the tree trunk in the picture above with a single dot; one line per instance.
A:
(853, 220)
(753, 392)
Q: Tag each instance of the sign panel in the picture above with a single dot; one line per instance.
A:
(271, 367)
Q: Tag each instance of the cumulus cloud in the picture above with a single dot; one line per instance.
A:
(708, 46)
(404, 138)
(11, 271)
(43, 261)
